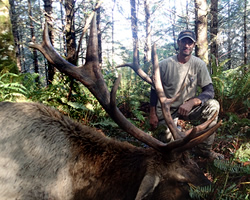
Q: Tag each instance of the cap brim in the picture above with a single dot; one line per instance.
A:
(186, 36)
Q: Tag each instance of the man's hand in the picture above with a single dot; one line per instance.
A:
(187, 106)
(153, 119)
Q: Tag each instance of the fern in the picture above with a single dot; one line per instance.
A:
(10, 89)
(222, 187)
(200, 192)
(231, 167)
(231, 87)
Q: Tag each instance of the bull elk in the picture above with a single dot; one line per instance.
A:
(47, 156)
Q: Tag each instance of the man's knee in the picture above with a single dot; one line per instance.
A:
(213, 104)
(210, 107)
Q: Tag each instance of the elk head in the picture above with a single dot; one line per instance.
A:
(90, 75)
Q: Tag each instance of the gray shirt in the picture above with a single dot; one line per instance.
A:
(174, 74)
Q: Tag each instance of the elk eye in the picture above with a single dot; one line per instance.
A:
(182, 183)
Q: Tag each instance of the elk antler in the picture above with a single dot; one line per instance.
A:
(90, 75)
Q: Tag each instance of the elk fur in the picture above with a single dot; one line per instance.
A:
(46, 155)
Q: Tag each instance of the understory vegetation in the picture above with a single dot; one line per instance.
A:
(230, 177)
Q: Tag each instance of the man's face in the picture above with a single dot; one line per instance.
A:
(186, 46)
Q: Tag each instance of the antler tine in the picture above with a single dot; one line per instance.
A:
(165, 102)
(202, 126)
(198, 139)
(135, 66)
(55, 59)
(192, 134)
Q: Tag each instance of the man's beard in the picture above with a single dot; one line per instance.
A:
(187, 53)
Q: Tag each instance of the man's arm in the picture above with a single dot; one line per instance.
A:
(153, 119)
(206, 94)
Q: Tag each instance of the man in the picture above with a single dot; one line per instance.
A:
(175, 72)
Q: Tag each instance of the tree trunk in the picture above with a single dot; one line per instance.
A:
(245, 32)
(72, 57)
(214, 28)
(134, 31)
(32, 32)
(25, 67)
(48, 18)
(70, 31)
(63, 30)
(201, 29)
(229, 56)
(99, 34)
(13, 18)
(113, 39)
(147, 47)
(187, 15)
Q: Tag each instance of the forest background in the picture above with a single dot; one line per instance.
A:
(127, 28)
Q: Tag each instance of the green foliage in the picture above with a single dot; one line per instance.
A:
(81, 105)
(230, 176)
(28, 81)
(234, 125)
(243, 153)
(222, 188)
(106, 124)
(231, 167)
(231, 87)
(11, 88)
(200, 192)
(7, 53)
(133, 93)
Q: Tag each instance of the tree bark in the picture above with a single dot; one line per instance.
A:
(70, 31)
(229, 55)
(134, 31)
(112, 34)
(72, 57)
(245, 32)
(13, 18)
(187, 15)
(147, 47)
(32, 32)
(63, 29)
(214, 28)
(99, 34)
(48, 19)
(201, 49)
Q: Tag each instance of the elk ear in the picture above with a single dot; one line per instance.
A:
(148, 184)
